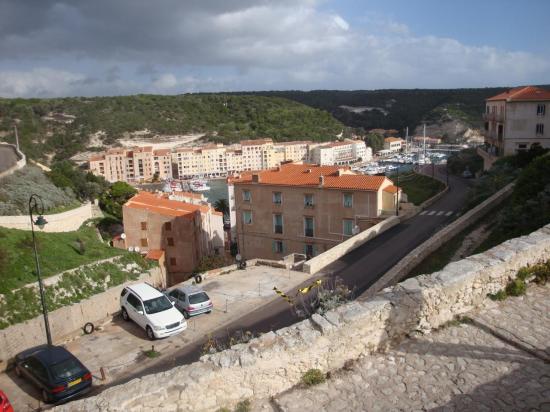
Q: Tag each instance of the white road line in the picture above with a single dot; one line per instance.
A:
(423, 213)
(448, 213)
(440, 213)
(431, 213)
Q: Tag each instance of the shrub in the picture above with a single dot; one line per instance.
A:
(500, 295)
(516, 288)
(313, 377)
(243, 406)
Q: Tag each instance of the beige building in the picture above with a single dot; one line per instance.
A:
(293, 151)
(135, 164)
(304, 208)
(395, 144)
(517, 120)
(340, 153)
(185, 232)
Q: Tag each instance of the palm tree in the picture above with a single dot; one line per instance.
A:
(221, 205)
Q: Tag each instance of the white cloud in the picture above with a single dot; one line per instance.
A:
(38, 82)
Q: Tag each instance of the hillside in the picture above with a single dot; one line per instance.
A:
(61, 127)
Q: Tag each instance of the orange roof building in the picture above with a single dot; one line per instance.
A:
(304, 208)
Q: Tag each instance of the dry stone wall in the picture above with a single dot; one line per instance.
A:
(276, 361)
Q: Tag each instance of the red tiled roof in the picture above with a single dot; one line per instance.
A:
(393, 139)
(293, 174)
(161, 152)
(95, 158)
(154, 254)
(163, 206)
(525, 93)
(391, 189)
(143, 149)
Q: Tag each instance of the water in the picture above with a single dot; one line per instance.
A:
(218, 190)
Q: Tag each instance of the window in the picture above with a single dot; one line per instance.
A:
(143, 225)
(168, 226)
(133, 301)
(246, 196)
(170, 241)
(541, 109)
(308, 226)
(348, 200)
(309, 250)
(278, 246)
(172, 261)
(540, 128)
(348, 227)
(278, 224)
(277, 198)
(144, 242)
(247, 217)
(308, 200)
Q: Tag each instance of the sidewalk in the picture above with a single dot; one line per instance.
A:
(497, 361)
(118, 347)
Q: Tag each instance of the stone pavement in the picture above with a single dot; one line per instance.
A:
(496, 359)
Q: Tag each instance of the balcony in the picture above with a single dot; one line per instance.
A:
(493, 117)
(278, 229)
(308, 232)
(309, 205)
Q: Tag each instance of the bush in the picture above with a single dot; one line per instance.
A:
(516, 288)
(243, 406)
(313, 377)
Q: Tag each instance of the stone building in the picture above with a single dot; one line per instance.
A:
(304, 208)
(184, 231)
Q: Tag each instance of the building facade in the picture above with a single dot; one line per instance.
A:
(340, 153)
(304, 208)
(185, 232)
(517, 120)
(395, 144)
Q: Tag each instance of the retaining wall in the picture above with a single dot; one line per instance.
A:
(321, 261)
(67, 320)
(61, 222)
(417, 255)
(19, 164)
(276, 361)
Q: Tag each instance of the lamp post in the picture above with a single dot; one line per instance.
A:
(397, 194)
(36, 205)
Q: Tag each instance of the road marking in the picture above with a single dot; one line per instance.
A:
(431, 213)
(423, 213)
(448, 213)
(440, 213)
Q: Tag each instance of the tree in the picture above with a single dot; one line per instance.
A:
(376, 141)
(221, 205)
(112, 200)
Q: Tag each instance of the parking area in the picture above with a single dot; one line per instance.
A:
(118, 347)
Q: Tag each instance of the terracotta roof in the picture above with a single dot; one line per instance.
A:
(294, 143)
(154, 254)
(215, 212)
(143, 149)
(393, 139)
(95, 158)
(255, 142)
(186, 194)
(161, 152)
(307, 175)
(159, 204)
(391, 189)
(525, 93)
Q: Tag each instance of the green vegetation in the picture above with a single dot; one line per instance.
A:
(313, 377)
(57, 252)
(112, 200)
(16, 189)
(418, 187)
(209, 263)
(224, 117)
(86, 186)
(151, 353)
(221, 205)
(467, 159)
(243, 406)
(539, 273)
(375, 141)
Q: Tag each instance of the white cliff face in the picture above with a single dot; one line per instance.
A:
(276, 361)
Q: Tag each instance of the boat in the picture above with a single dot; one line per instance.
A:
(199, 185)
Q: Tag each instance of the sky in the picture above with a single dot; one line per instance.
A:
(59, 48)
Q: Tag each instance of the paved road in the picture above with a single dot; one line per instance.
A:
(358, 269)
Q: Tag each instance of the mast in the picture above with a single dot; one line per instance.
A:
(407, 140)
(424, 140)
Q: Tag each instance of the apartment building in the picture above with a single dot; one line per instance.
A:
(395, 144)
(184, 231)
(304, 208)
(257, 154)
(293, 151)
(517, 120)
(340, 153)
(134, 164)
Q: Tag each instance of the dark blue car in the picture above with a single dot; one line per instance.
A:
(54, 371)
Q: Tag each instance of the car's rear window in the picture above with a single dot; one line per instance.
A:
(66, 369)
(198, 298)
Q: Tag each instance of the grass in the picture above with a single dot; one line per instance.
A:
(151, 353)
(313, 377)
(63, 208)
(57, 253)
(418, 188)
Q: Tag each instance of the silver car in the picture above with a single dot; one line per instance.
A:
(190, 300)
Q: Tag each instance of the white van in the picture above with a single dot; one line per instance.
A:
(151, 310)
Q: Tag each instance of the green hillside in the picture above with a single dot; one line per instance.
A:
(228, 117)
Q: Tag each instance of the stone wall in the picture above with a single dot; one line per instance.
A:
(61, 222)
(417, 255)
(276, 361)
(19, 164)
(67, 320)
(319, 262)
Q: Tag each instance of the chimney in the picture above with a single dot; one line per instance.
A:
(340, 172)
(256, 178)
(321, 181)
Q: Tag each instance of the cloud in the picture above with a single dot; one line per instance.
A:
(134, 46)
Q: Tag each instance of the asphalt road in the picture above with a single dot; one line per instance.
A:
(359, 269)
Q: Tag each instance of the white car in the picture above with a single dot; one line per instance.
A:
(151, 310)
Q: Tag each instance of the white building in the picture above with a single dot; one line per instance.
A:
(340, 153)
(395, 144)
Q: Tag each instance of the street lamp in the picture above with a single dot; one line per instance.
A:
(36, 205)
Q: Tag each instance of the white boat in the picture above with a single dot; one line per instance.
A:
(199, 185)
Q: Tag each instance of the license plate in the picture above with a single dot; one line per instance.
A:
(73, 383)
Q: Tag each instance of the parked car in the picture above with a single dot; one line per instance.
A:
(5, 405)
(151, 310)
(190, 300)
(466, 174)
(55, 371)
